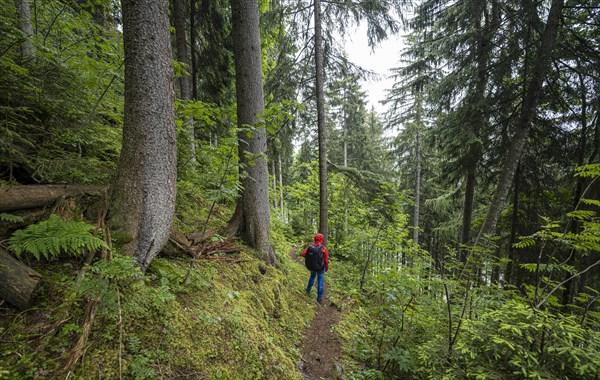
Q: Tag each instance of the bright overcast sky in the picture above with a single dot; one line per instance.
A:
(383, 58)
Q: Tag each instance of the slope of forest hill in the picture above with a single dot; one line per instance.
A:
(223, 319)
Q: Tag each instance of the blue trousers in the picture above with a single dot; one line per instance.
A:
(320, 282)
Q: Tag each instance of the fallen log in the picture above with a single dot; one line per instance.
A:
(18, 282)
(20, 197)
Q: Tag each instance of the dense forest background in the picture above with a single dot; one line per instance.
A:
(160, 160)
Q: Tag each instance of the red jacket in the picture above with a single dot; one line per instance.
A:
(319, 239)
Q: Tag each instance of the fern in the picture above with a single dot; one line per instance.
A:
(588, 171)
(10, 218)
(594, 202)
(582, 215)
(53, 237)
(525, 241)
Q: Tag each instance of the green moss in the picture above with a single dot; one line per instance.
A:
(217, 320)
(120, 238)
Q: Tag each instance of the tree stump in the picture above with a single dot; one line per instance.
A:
(18, 282)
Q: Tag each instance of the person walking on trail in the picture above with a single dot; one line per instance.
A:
(317, 261)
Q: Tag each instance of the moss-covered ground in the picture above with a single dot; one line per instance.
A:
(235, 319)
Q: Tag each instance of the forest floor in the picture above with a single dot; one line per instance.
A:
(321, 346)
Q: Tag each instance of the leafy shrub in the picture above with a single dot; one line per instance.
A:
(518, 341)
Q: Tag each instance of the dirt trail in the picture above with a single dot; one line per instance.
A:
(321, 347)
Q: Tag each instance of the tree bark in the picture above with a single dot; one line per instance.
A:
(482, 45)
(345, 126)
(22, 197)
(194, 67)
(26, 27)
(417, 209)
(513, 262)
(569, 292)
(143, 198)
(281, 187)
(528, 110)
(185, 85)
(274, 171)
(252, 144)
(18, 282)
(319, 89)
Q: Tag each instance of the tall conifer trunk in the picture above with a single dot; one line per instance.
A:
(26, 27)
(528, 110)
(193, 60)
(513, 262)
(185, 83)
(281, 187)
(417, 209)
(571, 286)
(482, 46)
(143, 195)
(319, 89)
(255, 223)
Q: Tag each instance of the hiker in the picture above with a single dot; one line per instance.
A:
(317, 261)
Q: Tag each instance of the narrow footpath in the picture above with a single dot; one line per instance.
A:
(321, 347)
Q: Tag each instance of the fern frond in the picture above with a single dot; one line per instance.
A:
(593, 202)
(10, 218)
(582, 215)
(588, 171)
(525, 241)
(53, 237)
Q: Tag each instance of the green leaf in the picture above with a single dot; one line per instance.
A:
(10, 218)
(53, 237)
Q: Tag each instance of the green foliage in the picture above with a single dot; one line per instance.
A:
(208, 181)
(67, 100)
(398, 328)
(556, 236)
(514, 340)
(10, 218)
(54, 237)
(227, 320)
(588, 171)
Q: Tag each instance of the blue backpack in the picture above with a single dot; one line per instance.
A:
(314, 258)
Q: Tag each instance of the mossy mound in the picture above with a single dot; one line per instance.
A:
(219, 320)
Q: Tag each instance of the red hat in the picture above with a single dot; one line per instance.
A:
(319, 239)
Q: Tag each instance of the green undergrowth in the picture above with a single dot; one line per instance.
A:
(219, 320)
(397, 326)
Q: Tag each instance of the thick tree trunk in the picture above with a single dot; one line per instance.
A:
(252, 144)
(18, 282)
(185, 85)
(32, 196)
(143, 199)
(319, 88)
(26, 27)
(528, 110)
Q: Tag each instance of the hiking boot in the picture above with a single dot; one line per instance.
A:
(320, 300)
(307, 292)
